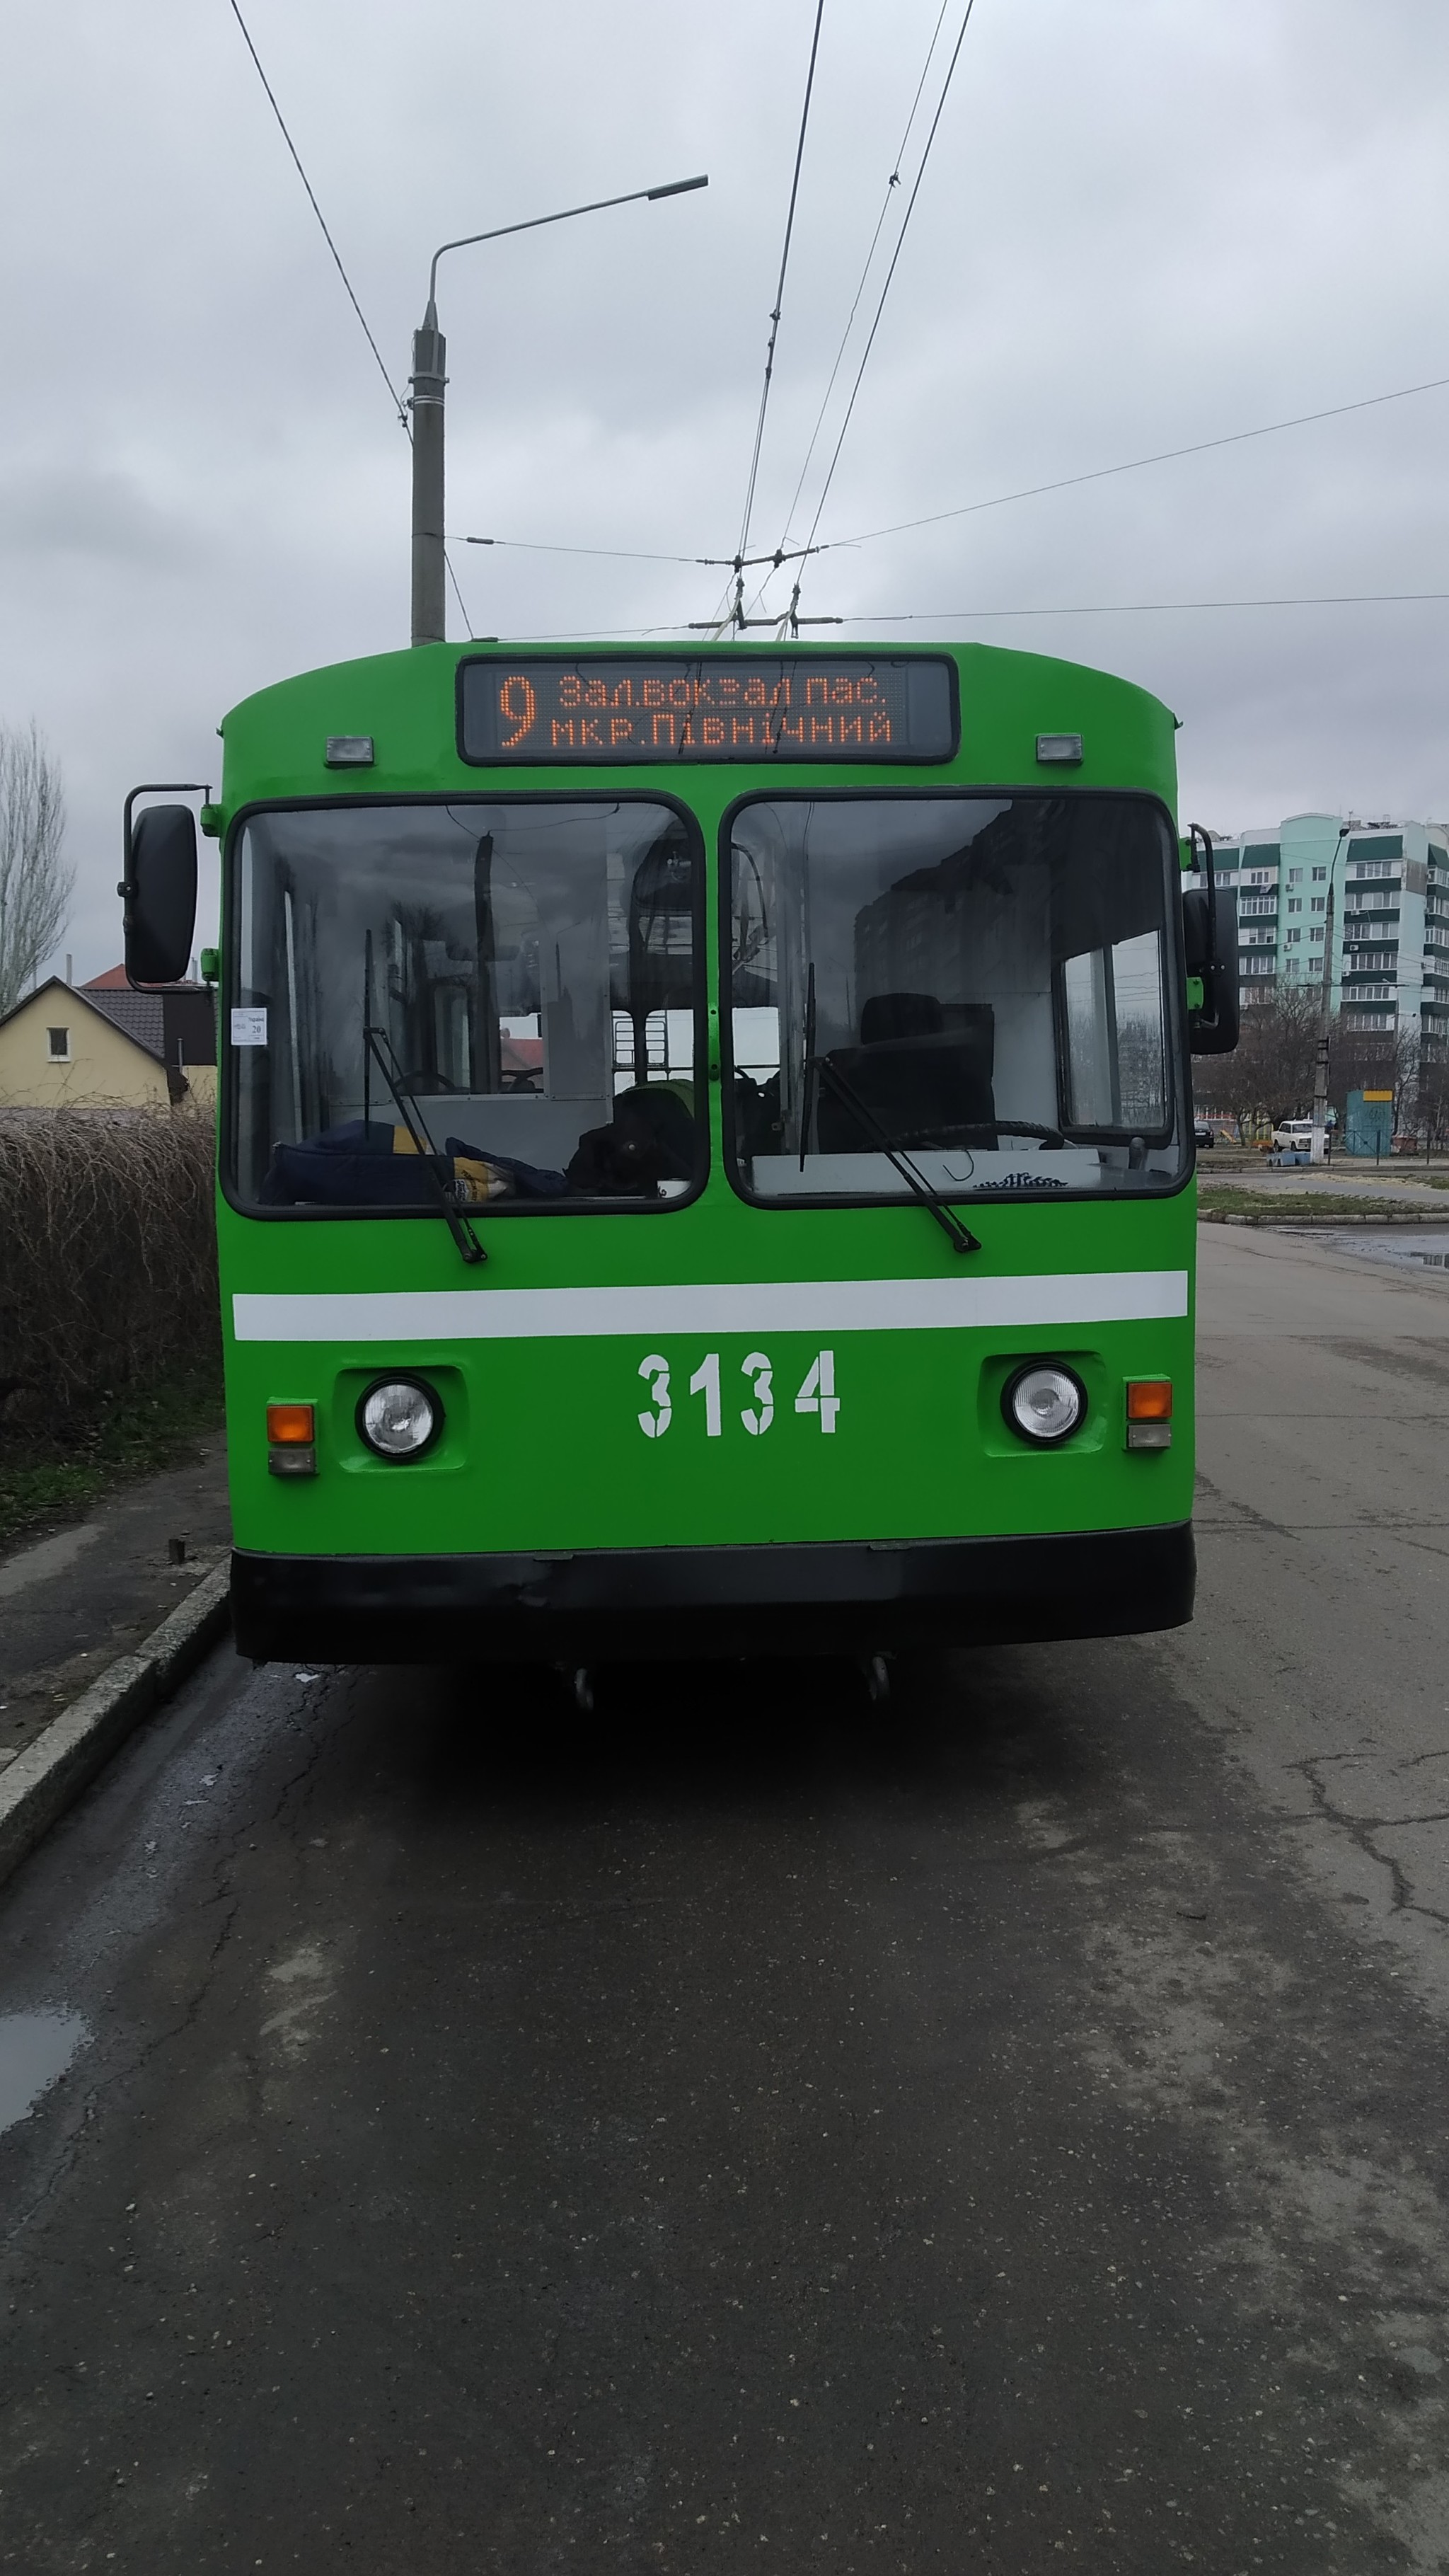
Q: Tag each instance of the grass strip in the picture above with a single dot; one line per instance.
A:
(136, 1433)
(1223, 1200)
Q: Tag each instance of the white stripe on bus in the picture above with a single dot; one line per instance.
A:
(1062, 1299)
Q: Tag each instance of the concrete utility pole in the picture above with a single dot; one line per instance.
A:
(1318, 1144)
(430, 351)
(429, 380)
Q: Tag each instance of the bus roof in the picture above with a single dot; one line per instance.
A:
(399, 723)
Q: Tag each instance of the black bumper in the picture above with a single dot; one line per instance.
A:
(629, 1603)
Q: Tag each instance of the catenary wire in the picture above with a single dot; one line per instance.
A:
(1143, 607)
(1134, 464)
(892, 183)
(890, 272)
(780, 286)
(629, 554)
(1067, 482)
(1106, 608)
(399, 405)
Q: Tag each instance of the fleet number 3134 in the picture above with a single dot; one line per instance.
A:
(817, 1394)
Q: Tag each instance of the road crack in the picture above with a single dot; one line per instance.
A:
(1361, 1829)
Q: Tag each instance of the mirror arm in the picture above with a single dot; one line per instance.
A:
(152, 787)
(1196, 833)
(1213, 1026)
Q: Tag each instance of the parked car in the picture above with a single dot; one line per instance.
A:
(1293, 1136)
(1202, 1134)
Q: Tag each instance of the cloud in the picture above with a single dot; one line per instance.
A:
(1142, 225)
(86, 511)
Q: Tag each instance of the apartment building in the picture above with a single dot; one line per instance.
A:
(1389, 960)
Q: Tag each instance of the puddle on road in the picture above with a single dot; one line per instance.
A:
(34, 2049)
(1422, 1253)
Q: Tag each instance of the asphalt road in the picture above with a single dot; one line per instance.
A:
(754, 2130)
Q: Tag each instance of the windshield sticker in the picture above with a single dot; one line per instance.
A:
(249, 1027)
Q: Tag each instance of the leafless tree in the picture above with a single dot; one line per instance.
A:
(1374, 1060)
(36, 884)
(1432, 1107)
(1271, 1073)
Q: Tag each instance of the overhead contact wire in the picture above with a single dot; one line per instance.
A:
(890, 272)
(892, 183)
(626, 554)
(1105, 608)
(1145, 607)
(779, 303)
(1134, 464)
(1033, 491)
(399, 405)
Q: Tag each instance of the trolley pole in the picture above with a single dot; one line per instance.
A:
(429, 382)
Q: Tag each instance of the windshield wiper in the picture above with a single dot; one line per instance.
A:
(374, 1041)
(963, 1130)
(959, 1236)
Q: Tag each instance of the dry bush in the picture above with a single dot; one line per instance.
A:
(107, 1257)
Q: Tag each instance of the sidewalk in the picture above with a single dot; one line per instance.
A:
(73, 1602)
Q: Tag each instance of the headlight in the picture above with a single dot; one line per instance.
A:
(399, 1417)
(1045, 1405)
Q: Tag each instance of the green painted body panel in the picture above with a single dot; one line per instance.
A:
(543, 1447)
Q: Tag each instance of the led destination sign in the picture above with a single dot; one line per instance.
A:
(596, 710)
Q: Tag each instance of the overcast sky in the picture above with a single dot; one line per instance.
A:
(1143, 223)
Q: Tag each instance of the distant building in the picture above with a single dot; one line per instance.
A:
(104, 1046)
(1389, 965)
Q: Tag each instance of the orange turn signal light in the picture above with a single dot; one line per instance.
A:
(291, 1425)
(1149, 1399)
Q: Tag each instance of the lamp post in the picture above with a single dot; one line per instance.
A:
(1318, 1143)
(428, 386)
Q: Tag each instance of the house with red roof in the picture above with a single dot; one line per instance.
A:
(104, 1045)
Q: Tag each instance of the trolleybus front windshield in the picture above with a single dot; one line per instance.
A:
(512, 985)
(980, 981)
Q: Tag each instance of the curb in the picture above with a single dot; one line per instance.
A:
(1353, 1216)
(50, 1774)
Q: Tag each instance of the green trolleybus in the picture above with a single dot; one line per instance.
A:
(706, 1155)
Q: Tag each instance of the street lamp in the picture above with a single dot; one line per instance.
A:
(428, 383)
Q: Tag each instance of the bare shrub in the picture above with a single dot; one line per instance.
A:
(107, 1256)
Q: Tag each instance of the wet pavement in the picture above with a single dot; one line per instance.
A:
(1410, 1248)
(35, 2048)
(753, 2128)
(74, 1600)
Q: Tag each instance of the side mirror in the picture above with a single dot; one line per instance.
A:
(1210, 951)
(159, 891)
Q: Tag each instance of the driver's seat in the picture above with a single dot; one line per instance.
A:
(924, 1067)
